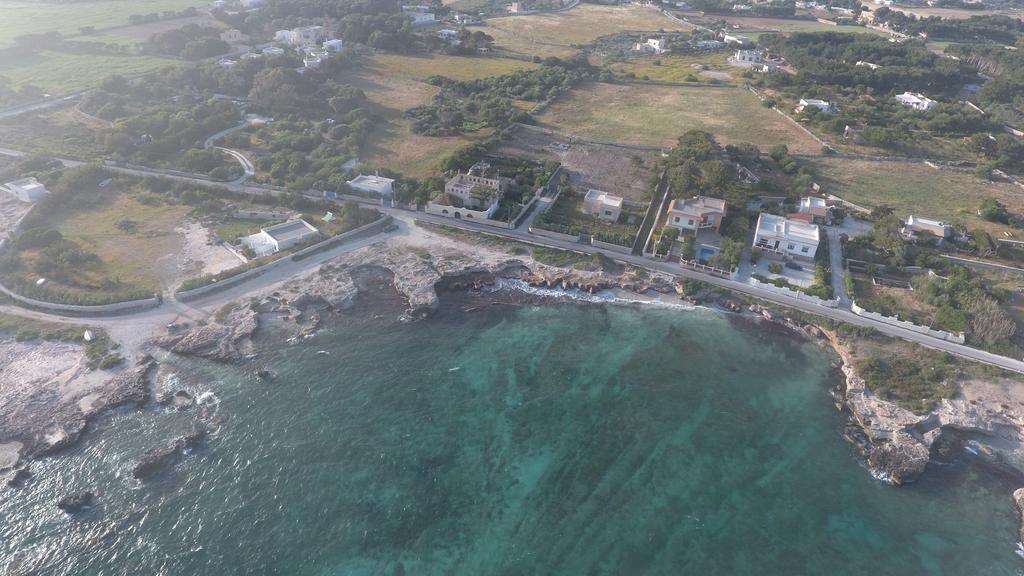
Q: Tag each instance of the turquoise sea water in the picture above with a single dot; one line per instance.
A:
(555, 439)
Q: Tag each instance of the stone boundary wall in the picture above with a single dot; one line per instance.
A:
(554, 235)
(927, 330)
(83, 310)
(112, 309)
(609, 246)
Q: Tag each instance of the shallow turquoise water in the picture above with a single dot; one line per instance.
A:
(559, 439)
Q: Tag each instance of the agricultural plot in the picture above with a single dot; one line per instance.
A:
(754, 27)
(136, 34)
(952, 197)
(628, 174)
(561, 33)
(63, 72)
(703, 67)
(658, 115)
(22, 17)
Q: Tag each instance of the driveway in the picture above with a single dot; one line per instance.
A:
(835, 256)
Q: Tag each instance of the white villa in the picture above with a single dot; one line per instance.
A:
(280, 237)
(823, 105)
(653, 46)
(785, 237)
(603, 205)
(334, 45)
(26, 189)
(866, 64)
(916, 101)
(916, 225)
(474, 188)
(373, 185)
(452, 36)
(748, 57)
(303, 35)
(233, 36)
(312, 61)
(696, 214)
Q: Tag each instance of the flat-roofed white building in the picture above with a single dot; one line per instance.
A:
(279, 237)
(653, 46)
(823, 105)
(748, 57)
(372, 184)
(916, 101)
(334, 45)
(789, 238)
(916, 226)
(603, 205)
(816, 208)
(26, 189)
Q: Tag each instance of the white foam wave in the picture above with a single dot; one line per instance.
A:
(599, 297)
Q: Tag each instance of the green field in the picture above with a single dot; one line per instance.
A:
(918, 189)
(658, 115)
(20, 17)
(63, 72)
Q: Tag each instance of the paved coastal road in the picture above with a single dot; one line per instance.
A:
(841, 314)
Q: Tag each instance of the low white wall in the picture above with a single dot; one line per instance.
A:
(80, 309)
(783, 291)
(893, 321)
(478, 216)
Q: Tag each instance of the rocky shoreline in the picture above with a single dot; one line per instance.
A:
(896, 444)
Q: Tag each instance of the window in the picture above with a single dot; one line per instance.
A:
(791, 247)
(677, 220)
(689, 222)
(805, 249)
(607, 212)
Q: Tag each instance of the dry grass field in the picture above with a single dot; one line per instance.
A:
(58, 131)
(658, 115)
(393, 143)
(947, 13)
(754, 27)
(677, 67)
(622, 172)
(558, 34)
(945, 195)
(421, 67)
(20, 17)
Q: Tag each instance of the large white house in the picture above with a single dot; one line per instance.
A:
(303, 35)
(748, 57)
(475, 188)
(26, 189)
(916, 226)
(372, 185)
(603, 205)
(823, 105)
(789, 238)
(280, 237)
(653, 46)
(916, 101)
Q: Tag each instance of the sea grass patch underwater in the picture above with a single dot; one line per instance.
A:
(514, 439)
